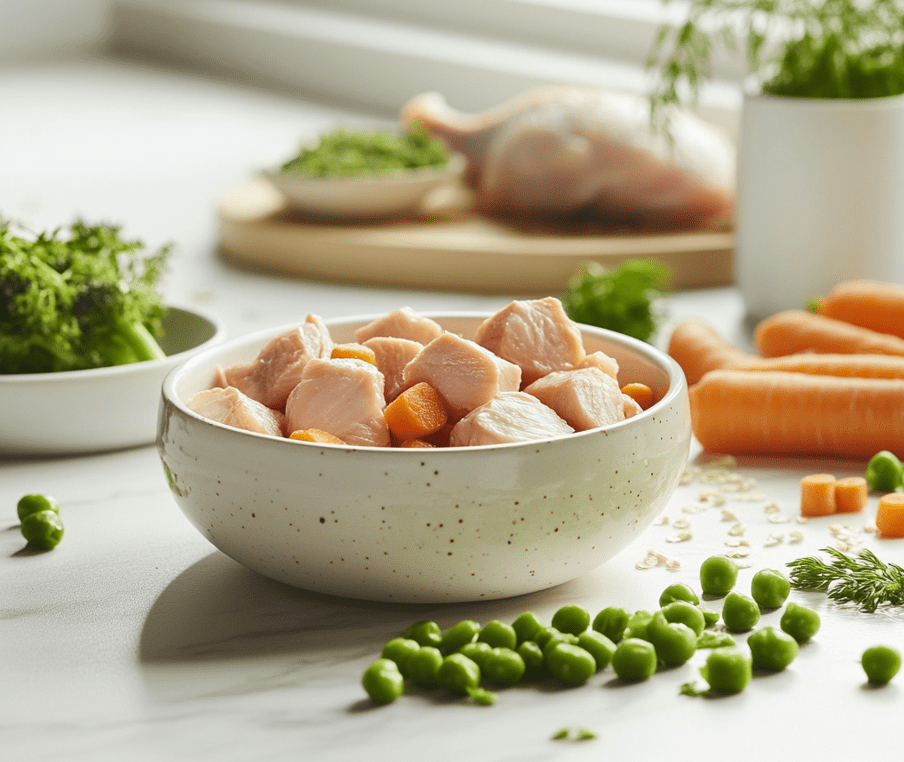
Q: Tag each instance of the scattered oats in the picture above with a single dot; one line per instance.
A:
(673, 564)
(647, 562)
(660, 521)
(681, 523)
(778, 518)
(679, 537)
(729, 515)
(712, 497)
(736, 543)
(795, 536)
(774, 538)
(713, 475)
(738, 483)
(842, 545)
(737, 530)
(724, 461)
(751, 497)
(869, 528)
(689, 474)
(772, 507)
(738, 553)
(693, 508)
(741, 564)
(802, 519)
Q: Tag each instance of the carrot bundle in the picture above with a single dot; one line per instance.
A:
(794, 331)
(871, 304)
(776, 412)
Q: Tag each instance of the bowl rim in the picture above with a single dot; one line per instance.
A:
(656, 357)
(90, 374)
(453, 168)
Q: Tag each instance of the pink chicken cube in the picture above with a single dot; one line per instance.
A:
(602, 361)
(536, 335)
(392, 357)
(508, 417)
(404, 323)
(464, 373)
(278, 367)
(343, 397)
(587, 397)
(232, 408)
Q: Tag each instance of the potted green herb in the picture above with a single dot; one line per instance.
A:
(821, 154)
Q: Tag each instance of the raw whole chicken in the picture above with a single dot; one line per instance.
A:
(560, 151)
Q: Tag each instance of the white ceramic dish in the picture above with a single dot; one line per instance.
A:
(84, 411)
(369, 197)
(456, 524)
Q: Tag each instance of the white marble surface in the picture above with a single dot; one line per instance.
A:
(136, 640)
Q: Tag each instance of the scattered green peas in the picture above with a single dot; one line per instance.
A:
(548, 633)
(535, 668)
(400, 650)
(675, 643)
(634, 660)
(34, 503)
(712, 639)
(710, 617)
(611, 622)
(425, 633)
(572, 619)
(458, 635)
(526, 626)
(598, 646)
(727, 670)
(504, 667)
(638, 624)
(559, 637)
(678, 592)
(799, 622)
(770, 588)
(740, 613)
(498, 634)
(43, 530)
(685, 613)
(884, 472)
(458, 674)
(423, 666)
(477, 651)
(383, 681)
(570, 663)
(718, 575)
(771, 649)
(881, 664)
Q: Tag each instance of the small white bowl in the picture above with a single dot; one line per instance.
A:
(82, 411)
(365, 197)
(425, 525)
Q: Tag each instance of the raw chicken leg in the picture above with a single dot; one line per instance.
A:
(558, 151)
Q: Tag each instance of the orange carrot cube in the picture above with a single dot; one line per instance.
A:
(851, 494)
(817, 495)
(890, 515)
(353, 351)
(416, 413)
(640, 393)
(315, 435)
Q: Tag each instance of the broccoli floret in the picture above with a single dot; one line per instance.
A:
(81, 299)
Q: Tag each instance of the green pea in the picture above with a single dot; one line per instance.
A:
(598, 646)
(43, 530)
(572, 618)
(710, 617)
(400, 650)
(678, 592)
(771, 649)
(675, 643)
(570, 663)
(884, 472)
(478, 651)
(458, 674)
(383, 681)
(504, 667)
(881, 664)
(425, 633)
(34, 503)
(558, 637)
(545, 634)
(740, 613)
(498, 634)
(800, 622)
(638, 625)
(457, 635)
(718, 575)
(611, 622)
(727, 670)
(534, 662)
(526, 626)
(423, 666)
(770, 588)
(634, 660)
(685, 613)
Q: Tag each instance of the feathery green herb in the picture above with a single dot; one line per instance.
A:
(864, 580)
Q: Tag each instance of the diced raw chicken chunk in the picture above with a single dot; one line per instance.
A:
(343, 397)
(392, 357)
(587, 398)
(602, 361)
(404, 323)
(278, 367)
(230, 407)
(536, 335)
(508, 417)
(466, 374)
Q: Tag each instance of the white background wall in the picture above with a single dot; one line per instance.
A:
(46, 29)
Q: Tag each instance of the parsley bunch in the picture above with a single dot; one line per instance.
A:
(81, 299)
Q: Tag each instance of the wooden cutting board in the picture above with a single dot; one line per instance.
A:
(447, 247)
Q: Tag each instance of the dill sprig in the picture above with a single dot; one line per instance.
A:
(862, 579)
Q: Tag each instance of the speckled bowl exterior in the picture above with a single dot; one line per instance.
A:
(421, 525)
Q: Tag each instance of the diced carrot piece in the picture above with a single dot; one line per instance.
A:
(817, 495)
(416, 413)
(851, 494)
(315, 435)
(415, 443)
(353, 351)
(640, 393)
(890, 515)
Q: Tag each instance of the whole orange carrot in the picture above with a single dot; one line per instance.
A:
(698, 348)
(775, 412)
(872, 304)
(794, 331)
(858, 366)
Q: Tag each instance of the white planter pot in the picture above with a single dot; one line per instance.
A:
(820, 197)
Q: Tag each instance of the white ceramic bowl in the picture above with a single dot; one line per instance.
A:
(365, 197)
(84, 411)
(421, 525)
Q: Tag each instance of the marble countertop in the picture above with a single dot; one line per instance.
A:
(136, 639)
